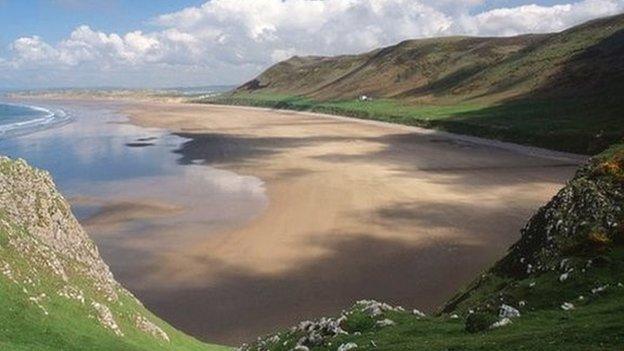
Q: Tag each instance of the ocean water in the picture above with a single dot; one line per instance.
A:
(129, 185)
(19, 119)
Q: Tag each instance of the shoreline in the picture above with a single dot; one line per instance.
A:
(357, 209)
(519, 148)
(511, 146)
(48, 118)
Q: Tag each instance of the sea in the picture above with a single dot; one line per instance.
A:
(130, 186)
(19, 119)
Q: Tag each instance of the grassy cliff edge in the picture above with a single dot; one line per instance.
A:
(56, 293)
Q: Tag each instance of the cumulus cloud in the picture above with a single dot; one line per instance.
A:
(31, 50)
(534, 18)
(85, 45)
(231, 40)
(267, 29)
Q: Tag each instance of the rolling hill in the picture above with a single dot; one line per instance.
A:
(560, 90)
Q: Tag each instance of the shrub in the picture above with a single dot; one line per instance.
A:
(478, 322)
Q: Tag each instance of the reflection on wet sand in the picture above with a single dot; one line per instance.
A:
(140, 221)
(355, 211)
(137, 202)
(113, 213)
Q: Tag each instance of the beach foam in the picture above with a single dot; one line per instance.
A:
(20, 119)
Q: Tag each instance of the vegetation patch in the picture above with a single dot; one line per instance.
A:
(584, 127)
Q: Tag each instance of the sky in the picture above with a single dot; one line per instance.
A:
(166, 43)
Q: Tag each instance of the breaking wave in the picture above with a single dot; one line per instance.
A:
(19, 119)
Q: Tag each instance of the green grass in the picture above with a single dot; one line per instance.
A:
(596, 323)
(584, 127)
(382, 109)
(34, 313)
(544, 330)
(560, 91)
(67, 326)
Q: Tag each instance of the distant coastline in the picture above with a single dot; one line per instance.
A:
(126, 94)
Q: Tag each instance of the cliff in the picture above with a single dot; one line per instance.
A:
(56, 293)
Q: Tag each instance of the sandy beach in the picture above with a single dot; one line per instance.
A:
(355, 210)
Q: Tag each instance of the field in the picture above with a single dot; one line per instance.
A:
(583, 127)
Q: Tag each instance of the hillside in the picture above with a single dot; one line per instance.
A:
(560, 287)
(559, 90)
(56, 293)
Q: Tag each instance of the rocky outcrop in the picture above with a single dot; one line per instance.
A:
(364, 316)
(46, 255)
(29, 199)
(106, 318)
(146, 326)
(568, 258)
(584, 217)
(568, 237)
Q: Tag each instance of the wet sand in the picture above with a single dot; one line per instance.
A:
(356, 210)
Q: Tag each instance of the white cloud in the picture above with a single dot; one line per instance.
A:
(536, 19)
(232, 40)
(266, 29)
(87, 45)
(32, 50)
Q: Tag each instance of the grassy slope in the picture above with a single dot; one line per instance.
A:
(560, 91)
(57, 322)
(579, 232)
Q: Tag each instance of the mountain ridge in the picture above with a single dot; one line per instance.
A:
(556, 90)
(416, 56)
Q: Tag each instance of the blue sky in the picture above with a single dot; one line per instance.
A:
(54, 20)
(59, 43)
(493, 4)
